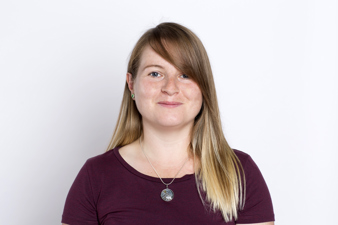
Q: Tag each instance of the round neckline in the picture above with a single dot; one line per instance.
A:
(147, 177)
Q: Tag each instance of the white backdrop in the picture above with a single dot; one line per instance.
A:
(62, 73)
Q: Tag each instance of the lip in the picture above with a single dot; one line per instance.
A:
(168, 104)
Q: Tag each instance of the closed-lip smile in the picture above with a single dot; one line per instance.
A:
(169, 104)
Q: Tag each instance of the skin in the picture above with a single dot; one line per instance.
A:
(168, 101)
(165, 97)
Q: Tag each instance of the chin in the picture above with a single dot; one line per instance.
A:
(173, 123)
(169, 123)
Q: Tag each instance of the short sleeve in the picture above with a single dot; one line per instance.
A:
(80, 207)
(258, 205)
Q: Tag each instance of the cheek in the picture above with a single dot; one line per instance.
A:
(145, 93)
(146, 90)
(199, 101)
(194, 93)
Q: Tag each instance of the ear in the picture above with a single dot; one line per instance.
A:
(130, 82)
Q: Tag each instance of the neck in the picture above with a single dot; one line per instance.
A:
(167, 146)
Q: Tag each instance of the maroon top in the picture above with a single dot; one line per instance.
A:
(109, 191)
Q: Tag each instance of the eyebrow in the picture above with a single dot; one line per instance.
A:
(152, 65)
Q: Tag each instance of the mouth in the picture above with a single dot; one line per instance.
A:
(168, 104)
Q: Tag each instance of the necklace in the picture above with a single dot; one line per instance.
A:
(166, 194)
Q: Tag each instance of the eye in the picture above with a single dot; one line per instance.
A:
(155, 74)
(184, 76)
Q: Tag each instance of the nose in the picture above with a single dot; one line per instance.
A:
(170, 85)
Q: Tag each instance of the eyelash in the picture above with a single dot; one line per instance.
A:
(158, 74)
(152, 73)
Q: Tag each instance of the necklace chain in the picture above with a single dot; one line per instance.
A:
(155, 169)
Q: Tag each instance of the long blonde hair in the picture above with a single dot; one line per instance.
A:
(219, 173)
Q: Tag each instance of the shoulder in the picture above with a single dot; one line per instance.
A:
(102, 162)
(102, 158)
(244, 158)
(84, 194)
(250, 168)
(258, 205)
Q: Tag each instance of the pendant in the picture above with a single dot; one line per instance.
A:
(167, 195)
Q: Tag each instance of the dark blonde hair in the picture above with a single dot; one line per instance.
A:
(219, 172)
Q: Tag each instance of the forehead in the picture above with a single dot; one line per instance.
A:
(150, 57)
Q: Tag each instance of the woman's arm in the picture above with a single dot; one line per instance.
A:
(258, 205)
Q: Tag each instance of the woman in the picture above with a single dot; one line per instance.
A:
(170, 162)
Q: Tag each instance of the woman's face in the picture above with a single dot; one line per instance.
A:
(164, 96)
